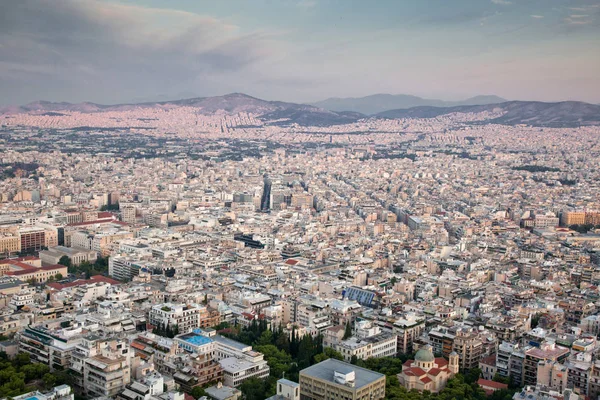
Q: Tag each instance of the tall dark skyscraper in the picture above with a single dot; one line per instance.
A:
(265, 201)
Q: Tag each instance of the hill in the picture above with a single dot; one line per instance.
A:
(562, 114)
(535, 113)
(382, 102)
(279, 112)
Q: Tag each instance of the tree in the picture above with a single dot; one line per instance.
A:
(535, 320)
(58, 277)
(283, 342)
(265, 338)
(502, 379)
(347, 331)
(279, 361)
(306, 351)
(66, 261)
(254, 389)
(198, 392)
(473, 375)
(49, 380)
(327, 353)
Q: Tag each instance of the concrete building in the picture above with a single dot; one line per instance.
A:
(77, 256)
(407, 330)
(186, 317)
(333, 380)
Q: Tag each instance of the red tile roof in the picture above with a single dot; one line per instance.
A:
(489, 360)
(26, 258)
(434, 371)
(441, 362)
(16, 263)
(31, 269)
(416, 371)
(291, 261)
(484, 383)
(426, 379)
(79, 282)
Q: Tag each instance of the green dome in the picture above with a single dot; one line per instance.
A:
(424, 355)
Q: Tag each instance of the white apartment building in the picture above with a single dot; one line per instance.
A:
(186, 317)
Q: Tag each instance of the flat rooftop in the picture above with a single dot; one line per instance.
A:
(326, 369)
(195, 339)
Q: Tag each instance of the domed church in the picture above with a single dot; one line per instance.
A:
(427, 372)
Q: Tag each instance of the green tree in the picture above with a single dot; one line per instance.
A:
(198, 392)
(327, 353)
(502, 379)
(279, 361)
(254, 389)
(58, 277)
(473, 375)
(49, 380)
(66, 261)
(265, 338)
(283, 342)
(347, 331)
(306, 351)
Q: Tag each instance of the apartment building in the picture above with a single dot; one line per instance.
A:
(407, 329)
(548, 351)
(186, 317)
(102, 367)
(52, 347)
(466, 342)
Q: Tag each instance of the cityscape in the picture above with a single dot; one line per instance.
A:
(226, 247)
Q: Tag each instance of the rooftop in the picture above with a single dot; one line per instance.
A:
(326, 369)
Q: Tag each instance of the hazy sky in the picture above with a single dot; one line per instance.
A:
(298, 50)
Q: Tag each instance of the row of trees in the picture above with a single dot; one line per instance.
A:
(20, 375)
(286, 353)
(99, 267)
(166, 331)
(584, 228)
(460, 387)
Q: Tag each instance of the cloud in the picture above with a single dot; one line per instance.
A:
(537, 16)
(101, 51)
(502, 2)
(579, 19)
(307, 3)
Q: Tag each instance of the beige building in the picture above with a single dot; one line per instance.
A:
(427, 372)
(9, 244)
(77, 256)
(572, 218)
(333, 380)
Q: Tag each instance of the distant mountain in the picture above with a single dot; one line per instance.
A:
(277, 112)
(534, 113)
(382, 102)
(563, 114)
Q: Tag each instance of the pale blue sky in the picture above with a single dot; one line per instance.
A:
(298, 50)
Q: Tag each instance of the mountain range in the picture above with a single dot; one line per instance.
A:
(561, 114)
(534, 113)
(382, 102)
